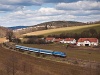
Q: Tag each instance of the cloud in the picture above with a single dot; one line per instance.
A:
(68, 10)
(20, 2)
(10, 5)
(28, 2)
(62, 1)
(80, 5)
(88, 18)
(81, 8)
(50, 11)
(58, 1)
(83, 12)
(30, 17)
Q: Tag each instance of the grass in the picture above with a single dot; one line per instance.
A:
(97, 28)
(2, 40)
(85, 53)
(75, 29)
(28, 65)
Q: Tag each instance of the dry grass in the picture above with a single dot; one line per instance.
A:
(28, 65)
(59, 29)
(84, 53)
(2, 40)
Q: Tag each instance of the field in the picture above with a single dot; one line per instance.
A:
(84, 53)
(16, 63)
(2, 40)
(76, 29)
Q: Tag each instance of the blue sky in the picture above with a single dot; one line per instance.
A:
(31, 12)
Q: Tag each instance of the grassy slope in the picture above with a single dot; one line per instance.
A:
(84, 53)
(80, 53)
(76, 29)
(2, 40)
(97, 27)
(37, 66)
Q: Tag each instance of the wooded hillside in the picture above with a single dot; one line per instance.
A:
(48, 25)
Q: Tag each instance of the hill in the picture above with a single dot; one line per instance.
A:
(17, 27)
(17, 63)
(48, 25)
(59, 24)
(74, 29)
(3, 31)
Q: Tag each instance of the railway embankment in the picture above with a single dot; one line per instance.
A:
(67, 60)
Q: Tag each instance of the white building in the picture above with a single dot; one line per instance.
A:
(87, 42)
(69, 40)
(50, 39)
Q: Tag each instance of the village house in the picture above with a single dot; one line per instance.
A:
(51, 39)
(87, 42)
(58, 40)
(68, 40)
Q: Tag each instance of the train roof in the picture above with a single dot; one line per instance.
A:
(59, 53)
(40, 50)
(34, 49)
(46, 50)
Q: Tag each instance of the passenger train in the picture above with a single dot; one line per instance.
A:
(41, 51)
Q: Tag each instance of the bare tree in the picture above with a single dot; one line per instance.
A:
(9, 35)
(27, 68)
(7, 68)
(24, 67)
(11, 65)
(98, 69)
(30, 69)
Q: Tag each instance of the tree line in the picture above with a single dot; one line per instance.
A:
(90, 33)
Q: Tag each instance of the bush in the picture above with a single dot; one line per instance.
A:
(33, 36)
(75, 62)
(35, 41)
(37, 54)
(16, 40)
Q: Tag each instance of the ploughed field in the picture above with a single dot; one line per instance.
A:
(17, 63)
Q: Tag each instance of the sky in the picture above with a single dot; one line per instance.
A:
(32, 12)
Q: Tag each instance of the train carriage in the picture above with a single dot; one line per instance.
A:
(60, 54)
(40, 51)
(24, 48)
(36, 50)
(17, 46)
(48, 52)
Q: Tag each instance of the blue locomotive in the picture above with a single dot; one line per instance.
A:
(41, 51)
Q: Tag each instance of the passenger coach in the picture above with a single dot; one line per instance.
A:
(41, 51)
